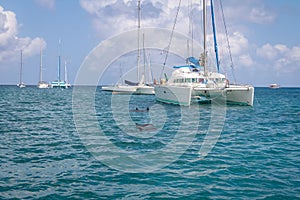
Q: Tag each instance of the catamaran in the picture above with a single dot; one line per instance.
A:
(21, 84)
(194, 82)
(42, 84)
(60, 83)
(134, 88)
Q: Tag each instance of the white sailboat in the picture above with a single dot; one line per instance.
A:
(143, 87)
(140, 88)
(21, 84)
(274, 86)
(194, 82)
(42, 84)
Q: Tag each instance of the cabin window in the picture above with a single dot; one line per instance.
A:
(188, 80)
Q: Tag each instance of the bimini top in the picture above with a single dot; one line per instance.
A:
(194, 63)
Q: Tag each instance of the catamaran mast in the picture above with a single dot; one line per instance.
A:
(215, 36)
(204, 38)
(139, 51)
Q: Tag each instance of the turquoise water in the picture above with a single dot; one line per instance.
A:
(44, 155)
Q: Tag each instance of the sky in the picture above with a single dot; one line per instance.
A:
(263, 35)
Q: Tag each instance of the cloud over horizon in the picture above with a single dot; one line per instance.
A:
(112, 17)
(10, 43)
(116, 16)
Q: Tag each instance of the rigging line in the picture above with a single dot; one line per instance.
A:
(192, 27)
(191, 30)
(150, 69)
(172, 33)
(189, 33)
(228, 43)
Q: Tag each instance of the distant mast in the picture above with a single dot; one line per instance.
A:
(21, 84)
(21, 69)
(138, 40)
(66, 76)
(41, 65)
(58, 71)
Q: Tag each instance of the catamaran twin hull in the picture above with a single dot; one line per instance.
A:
(60, 84)
(185, 95)
(145, 90)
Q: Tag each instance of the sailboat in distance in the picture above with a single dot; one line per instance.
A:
(195, 82)
(21, 84)
(139, 88)
(42, 84)
(59, 83)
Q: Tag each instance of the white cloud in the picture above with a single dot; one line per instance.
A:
(281, 57)
(10, 43)
(8, 26)
(253, 11)
(239, 43)
(115, 16)
(267, 51)
(31, 46)
(281, 48)
(245, 60)
(260, 15)
(294, 54)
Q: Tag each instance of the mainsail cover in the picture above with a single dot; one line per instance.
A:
(193, 63)
(131, 83)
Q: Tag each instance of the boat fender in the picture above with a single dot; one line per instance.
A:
(227, 83)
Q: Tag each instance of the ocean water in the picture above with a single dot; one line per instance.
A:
(56, 144)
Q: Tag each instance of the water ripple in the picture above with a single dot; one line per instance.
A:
(43, 157)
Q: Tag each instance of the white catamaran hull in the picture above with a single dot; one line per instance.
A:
(240, 95)
(174, 95)
(61, 84)
(184, 95)
(145, 90)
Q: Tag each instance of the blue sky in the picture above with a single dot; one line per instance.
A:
(264, 35)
